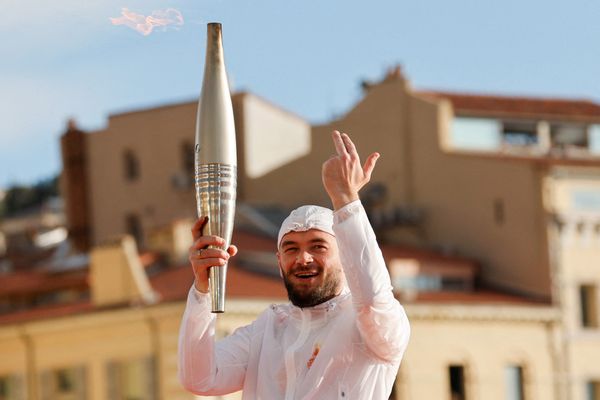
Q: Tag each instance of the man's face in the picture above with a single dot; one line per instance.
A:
(310, 266)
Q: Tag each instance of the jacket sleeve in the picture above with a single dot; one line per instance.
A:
(206, 366)
(381, 319)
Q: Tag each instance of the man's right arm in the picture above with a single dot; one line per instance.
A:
(207, 367)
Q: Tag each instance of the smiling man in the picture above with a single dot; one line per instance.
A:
(343, 334)
(308, 257)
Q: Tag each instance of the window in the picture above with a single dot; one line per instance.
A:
(457, 382)
(133, 226)
(522, 133)
(585, 200)
(499, 212)
(131, 166)
(455, 284)
(432, 283)
(475, 134)
(63, 384)
(592, 390)
(569, 135)
(183, 179)
(588, 308)
(131, 379)
(188, 157)
(514, 382)
(594, 139)
(580, 228)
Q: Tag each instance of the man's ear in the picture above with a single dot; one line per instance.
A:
(279, 265)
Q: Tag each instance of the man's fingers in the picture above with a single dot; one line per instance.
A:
(350, 147)
(340, 148)
(208, 262)
(370, 164)
(232, 250)
(208, 253)
(198, 226)
(204, 241)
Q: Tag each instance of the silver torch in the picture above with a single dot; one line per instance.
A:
(215, 157)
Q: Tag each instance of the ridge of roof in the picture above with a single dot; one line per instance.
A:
(518, 105)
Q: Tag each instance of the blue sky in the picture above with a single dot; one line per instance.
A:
(64, 58)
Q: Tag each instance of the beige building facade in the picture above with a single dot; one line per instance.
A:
(139, 170)
(508, 181)
(472, 202)
(575, 202)
(130, 352)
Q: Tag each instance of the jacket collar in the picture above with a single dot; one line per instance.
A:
(324, 309)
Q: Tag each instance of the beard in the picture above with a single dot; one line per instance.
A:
(311, 297)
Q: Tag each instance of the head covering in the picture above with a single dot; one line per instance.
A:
(305, 218)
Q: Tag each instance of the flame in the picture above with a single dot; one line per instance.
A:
(145, 24)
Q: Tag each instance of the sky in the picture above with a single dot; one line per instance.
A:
(67, 59)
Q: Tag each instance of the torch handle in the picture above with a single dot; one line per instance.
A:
(215, 198)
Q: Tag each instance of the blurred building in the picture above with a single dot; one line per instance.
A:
(137, 174)
(120, 342)
(31, 235)
(487, 207)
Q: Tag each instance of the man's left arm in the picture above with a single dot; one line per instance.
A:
(382, 321)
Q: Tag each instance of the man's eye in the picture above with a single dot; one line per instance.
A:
(320, 247)
(290, 250)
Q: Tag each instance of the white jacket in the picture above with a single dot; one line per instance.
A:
(347, 348)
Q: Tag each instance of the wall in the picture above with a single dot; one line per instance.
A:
(156, 137)
(457, 193)
(485, 339)
(574, 197)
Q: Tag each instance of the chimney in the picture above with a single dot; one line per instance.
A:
(74, 185)
(395, 74)
(117, 275)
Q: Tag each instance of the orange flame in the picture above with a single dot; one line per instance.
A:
(145, 24)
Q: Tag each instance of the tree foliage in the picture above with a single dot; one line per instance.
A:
(20, 198)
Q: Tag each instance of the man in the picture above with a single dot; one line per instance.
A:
(344, 333)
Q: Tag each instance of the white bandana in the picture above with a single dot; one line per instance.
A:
(305, 218)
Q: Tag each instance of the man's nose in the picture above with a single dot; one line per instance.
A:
(304, 257)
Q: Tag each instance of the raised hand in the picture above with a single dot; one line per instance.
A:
(202, 257)
(343, 175)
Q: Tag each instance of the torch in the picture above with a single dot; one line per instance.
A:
(215, 157)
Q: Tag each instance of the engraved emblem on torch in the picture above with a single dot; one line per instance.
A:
(215, 157)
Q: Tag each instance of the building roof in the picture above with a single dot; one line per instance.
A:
(479, 296)
(27, 282)
(518, 106)
(47, 311)
(173, 283)
(452, 261)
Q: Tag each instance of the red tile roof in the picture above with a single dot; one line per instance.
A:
(481, 296)
(244, 283)
(30, 282)
(46, 312)
(492, 105)
(546, 159)
(173, 284)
